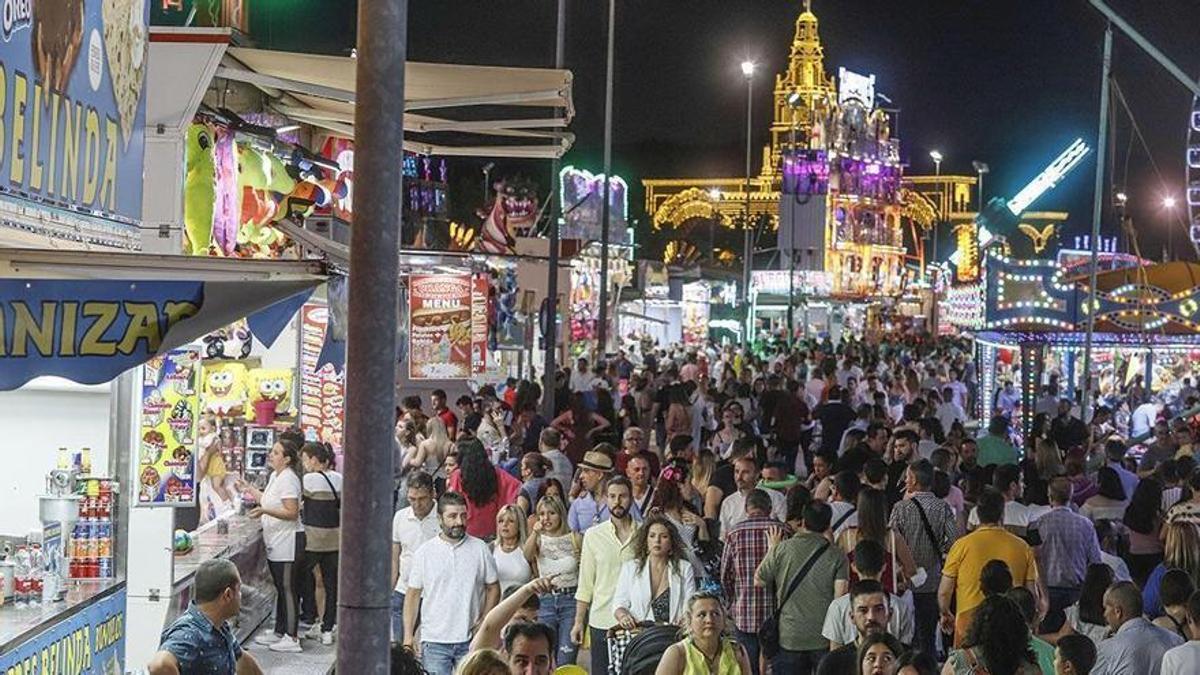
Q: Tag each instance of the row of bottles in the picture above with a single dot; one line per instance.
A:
(28, 567)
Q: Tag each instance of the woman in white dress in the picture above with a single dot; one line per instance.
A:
(511, 566)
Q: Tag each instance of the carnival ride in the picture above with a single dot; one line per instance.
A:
(1193, 171)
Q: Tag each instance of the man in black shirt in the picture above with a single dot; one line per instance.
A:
(835, 417)
(870, 612)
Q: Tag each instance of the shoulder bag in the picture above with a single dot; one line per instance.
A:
(768, 633)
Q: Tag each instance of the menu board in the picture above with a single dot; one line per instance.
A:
(166, 468)
(479, 324)
(440, 326)
(323, 390)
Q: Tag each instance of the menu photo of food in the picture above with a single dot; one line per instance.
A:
(170, 412)
(439, 326)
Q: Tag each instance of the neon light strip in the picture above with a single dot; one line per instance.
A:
(1049, 176)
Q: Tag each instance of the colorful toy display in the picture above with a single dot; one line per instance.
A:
(225, 392)
(266, 384)
(199, 190)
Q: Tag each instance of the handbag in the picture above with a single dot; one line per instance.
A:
(768, 633)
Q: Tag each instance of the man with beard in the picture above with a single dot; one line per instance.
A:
(605, 547)
(870, 612)
(733, 508)
(455, 575)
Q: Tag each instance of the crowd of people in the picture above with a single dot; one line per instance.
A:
(821, 509)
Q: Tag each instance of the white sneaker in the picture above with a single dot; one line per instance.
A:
(267, 639)
(327, 638)
(313, 633)
(287, 643)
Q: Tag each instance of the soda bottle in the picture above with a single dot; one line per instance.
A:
(21, 577)
(37, 566)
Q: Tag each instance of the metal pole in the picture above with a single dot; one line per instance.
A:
(1174, 70)
(748, 245)
(1097, 211)
(791, 261)
(365, 600)
(602, 333)
(550, 364)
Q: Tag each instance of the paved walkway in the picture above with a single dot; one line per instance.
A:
(316, 659)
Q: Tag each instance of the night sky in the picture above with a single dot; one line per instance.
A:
(1009, 83)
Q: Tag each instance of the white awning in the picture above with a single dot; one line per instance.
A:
(319, 90)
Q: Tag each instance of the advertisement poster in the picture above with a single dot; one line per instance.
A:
(73, 104)
(479, 324)
(170, 411)
(440, 326)
(89, 642)
(322, 390)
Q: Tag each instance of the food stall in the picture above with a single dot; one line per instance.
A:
(104, 371)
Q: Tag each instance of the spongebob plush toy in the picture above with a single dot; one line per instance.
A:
(225, 392)
(273, 384)
(200, 190)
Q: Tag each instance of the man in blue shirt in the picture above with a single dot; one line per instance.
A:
(201, 641)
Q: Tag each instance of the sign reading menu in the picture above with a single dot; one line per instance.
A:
(440, 335)
(72, 82)
(166, 468)
(322, 390)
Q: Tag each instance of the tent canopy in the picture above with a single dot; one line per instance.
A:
(486, 111)
(90, 316)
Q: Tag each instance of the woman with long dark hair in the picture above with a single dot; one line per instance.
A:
(655, 586)
(1143, 519)
(485, 486)
(1086, 616)
(997, 642)
(279, 510)
(899, 565)
(1110, 500)
(578, 425)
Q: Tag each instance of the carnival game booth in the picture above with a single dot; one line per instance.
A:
(1035, 322)
(103, 384)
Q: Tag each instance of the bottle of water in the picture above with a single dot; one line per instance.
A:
(21, 577)
(37, 569)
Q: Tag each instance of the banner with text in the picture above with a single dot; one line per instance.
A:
(89, 642)
(72, 82)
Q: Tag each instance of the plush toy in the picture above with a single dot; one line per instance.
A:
(200, 187)
(280, 182)
(225, 389)
(272, 384)
(229, 194)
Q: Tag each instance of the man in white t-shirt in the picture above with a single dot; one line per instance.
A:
(746, 473)
(582, 379)
(455, 574)
(412, 526)
(1185, 659)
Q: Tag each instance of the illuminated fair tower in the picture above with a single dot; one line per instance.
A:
(806, 77)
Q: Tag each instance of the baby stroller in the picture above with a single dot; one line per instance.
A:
(646, 648)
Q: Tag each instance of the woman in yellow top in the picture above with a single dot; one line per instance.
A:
(706, 650)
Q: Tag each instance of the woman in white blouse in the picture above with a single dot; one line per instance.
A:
(654, 587)
(511, 565)
(279, 511)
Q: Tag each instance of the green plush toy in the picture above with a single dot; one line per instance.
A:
(200, 190)
(253, 169)
(281, 183)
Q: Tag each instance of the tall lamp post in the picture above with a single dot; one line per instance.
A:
(937, 157)
(981, 168)
(602, 329)
(1168, 203)
(748, 246)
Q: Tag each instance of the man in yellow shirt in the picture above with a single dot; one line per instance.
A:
(605, 547)
(968, 556)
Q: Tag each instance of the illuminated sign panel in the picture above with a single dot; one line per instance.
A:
(855, 87)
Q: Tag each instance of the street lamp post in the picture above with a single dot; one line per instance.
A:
(602, 330)
(981, 168)
(937, 157)
(1168, 203)
(748, 256)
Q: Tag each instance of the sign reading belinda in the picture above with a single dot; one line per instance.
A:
(72, 76)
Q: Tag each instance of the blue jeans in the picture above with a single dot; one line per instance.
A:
(558, 612)
(440, 658)
(749, 642)
(397, 616)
